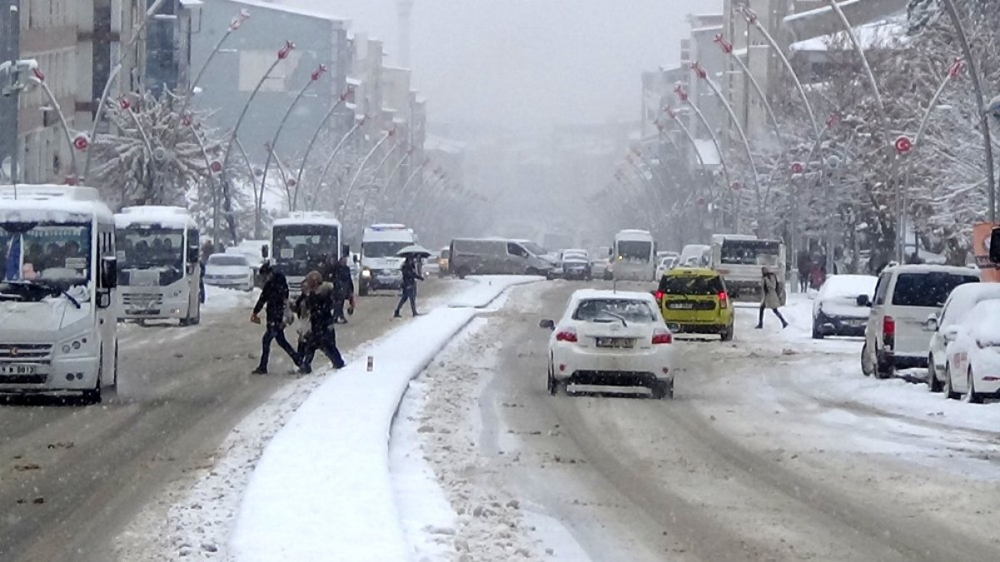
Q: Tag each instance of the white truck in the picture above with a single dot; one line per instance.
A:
(634, 256)
(159, 272)
(381, 268)
(302, 242)
(739, 258)
(58, 326)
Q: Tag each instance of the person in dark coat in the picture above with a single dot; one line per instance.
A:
(343, 290)
(274, 300)
(410, 277)
(771, 297)
(805, 268)
(318, 303)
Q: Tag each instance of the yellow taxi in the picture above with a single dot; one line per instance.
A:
(694, 300)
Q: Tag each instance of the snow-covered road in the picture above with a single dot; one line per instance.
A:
(776, 448)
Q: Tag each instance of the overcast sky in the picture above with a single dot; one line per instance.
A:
(529, 63)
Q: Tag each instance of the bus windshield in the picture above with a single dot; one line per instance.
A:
(301, 248)
(58, 254)
(148, 247)
(751, 252)
(635, 250)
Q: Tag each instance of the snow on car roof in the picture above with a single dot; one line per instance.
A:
(985, 319)
(964, 297)
(849, 285)
(307, 217)
(604, 294)
(170, 217)
(54, 203)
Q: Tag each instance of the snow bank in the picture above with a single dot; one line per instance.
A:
(218, 299)
(322, 489)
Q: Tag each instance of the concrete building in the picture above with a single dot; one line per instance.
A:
(163, 55)
(249, 53)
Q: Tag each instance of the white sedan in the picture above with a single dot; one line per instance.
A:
(231, 271)
(611, 338)
(973, 368)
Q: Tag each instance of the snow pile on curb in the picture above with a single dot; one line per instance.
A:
(322, 489)
(218, 299)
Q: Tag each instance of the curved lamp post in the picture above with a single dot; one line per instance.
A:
(81, 142)
(313, 78)
(361, 168)
(312, 141)
(329, 161)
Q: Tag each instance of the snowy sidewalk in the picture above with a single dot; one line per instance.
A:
(322, 490)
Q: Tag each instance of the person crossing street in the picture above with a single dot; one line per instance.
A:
(318, 302)
(274, 300)
(410, 277)
(772, 293)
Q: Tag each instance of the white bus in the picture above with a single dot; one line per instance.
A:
(738, 258)
(57, 294)
(158, 267)
(302, 242)
(634, 256)
(381, 268)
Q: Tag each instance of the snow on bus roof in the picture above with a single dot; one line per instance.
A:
(634, 234)
(51, 203)
(170, 217)
(307, 217)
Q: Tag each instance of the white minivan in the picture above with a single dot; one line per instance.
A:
(896, 336)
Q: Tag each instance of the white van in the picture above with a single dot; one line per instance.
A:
(158, 262)
(57, 294)
(696, 255)
(634, 256)
(739, 258)
(381, 268)
(495, 256)
(897, 335)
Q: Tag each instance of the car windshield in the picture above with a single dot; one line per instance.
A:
(634, 250)
(227, 260)
(609, 310)
(534, 248)
(929, 289)
(383, 249)
(691, 285)
(147, 247)
(57, 254)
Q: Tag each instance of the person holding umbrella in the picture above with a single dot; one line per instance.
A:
(410, 277)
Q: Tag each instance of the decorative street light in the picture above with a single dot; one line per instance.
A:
(361, 168)
(78, 142)
(329, 161)
(312, 141)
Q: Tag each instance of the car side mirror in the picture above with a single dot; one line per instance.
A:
(265, 251)
(547, 324)
(109, 272)
(103, 299)
(864, 301)
(932, 323)
(995, 246)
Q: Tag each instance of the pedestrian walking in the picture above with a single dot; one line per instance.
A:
(343, 291)
(301, 319)
(322, 335)
(805, 268)
(772, 293)
(410, 277)
(274, 301)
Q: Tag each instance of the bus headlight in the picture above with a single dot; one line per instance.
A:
(366, 272)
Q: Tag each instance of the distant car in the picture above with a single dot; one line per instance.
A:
(575, 264)
(231, 271)
(665, 264)
(695, 301)
(896, 336)
(972, 371)
(836, 311)
(610, 338)
(444, 261)
(943, 327)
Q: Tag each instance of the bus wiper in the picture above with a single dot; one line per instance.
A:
(47, 285)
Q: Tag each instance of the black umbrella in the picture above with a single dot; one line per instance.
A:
(415, 251)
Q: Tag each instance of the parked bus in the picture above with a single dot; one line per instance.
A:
(57, 294)
(381, 268)
(158, 264)
(301, 242)
(634, 256)
(740, 258)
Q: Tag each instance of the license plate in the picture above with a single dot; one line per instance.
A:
(680, 305)
(616, 343)
(17, 369)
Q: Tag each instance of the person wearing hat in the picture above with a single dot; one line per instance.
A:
(274, 300)
(318, 304)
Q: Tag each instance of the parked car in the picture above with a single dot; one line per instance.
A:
(231, 271)
(944, 326)
(610, 338)
(972, 371)
(695, 301)
(574, 264)
(896, 336)
(836, 311)
(664, 265)
(444, 261)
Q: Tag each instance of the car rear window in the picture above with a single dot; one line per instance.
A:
(227, 260)
(691, 285)
(592, 310)
(927, 289)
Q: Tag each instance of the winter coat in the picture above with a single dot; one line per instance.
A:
(343, 282)
(319, 308)
(273, 296)
(410, 275)
(772, 291)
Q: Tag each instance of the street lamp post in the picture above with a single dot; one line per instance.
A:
(329, 161)
(312, 141)
(683, 96)
(361, 168)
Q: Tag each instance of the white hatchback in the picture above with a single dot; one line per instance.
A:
(231, 271)
(611, 338)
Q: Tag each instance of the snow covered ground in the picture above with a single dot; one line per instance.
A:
(219, 300)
